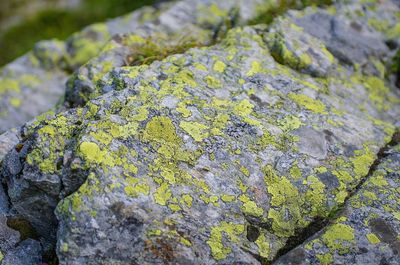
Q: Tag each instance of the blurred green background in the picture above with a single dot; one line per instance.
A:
(52, 20)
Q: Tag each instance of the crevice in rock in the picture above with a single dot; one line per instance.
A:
(320, 223)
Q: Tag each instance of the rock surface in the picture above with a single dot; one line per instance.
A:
(222, 154)
(35, 82)
(368, 228)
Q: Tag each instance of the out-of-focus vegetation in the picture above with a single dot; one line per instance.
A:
(58, 23)
(283, 5)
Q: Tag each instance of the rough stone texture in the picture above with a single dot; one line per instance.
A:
(35, 82)
(222, 154)
(367, 231)
(7, 141)
(27, 252)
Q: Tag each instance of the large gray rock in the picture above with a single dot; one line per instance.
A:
(221, 154)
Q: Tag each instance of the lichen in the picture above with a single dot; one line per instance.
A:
(218, 250)
(197, 130)
(339, 237)
(314, 105)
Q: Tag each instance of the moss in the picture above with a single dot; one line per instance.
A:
(144, 51)
(314, 105)
(218, 250)
(272, 9)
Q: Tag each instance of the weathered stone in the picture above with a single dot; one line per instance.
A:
(7, 141)
(220, 154)
(368, 228)
(8, 237)
(27, 252)
(35, 82)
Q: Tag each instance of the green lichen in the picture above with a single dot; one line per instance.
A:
(249, 207)
(289, 123)
(197, 130)
(91, 152)
(219, 66)
(160, 129)
(339, 237)
(263, 245)
(315, 196)
(255, 68)
(162, 194)
(313, 105)
(325, 259)
(362, 161)
(285, 198)
(372, 238)
(218, 250)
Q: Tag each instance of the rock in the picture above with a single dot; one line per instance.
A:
(8, 237)
(27, 252)
(174, 29)
(221, 154)
(34, 83)
(8, 140)
(291, 45)
(367, 230)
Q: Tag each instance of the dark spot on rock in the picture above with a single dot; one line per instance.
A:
(385, 233)
(356, 26)
(117, 38)
(328, 135)
(162, 76)
(256, 99)
(349, 150)
(363, 250)
(383, 261)
(161, 249)
(392, 44)
(296, 256)
(252, 233)
(238, 128)
(330, 180)
(19, 147)
(24, 228)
